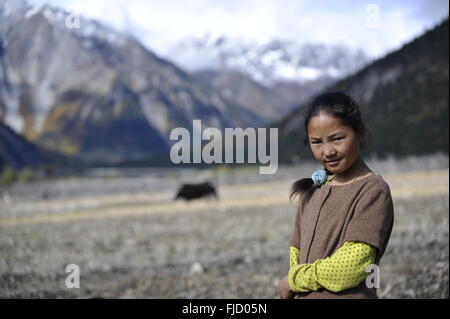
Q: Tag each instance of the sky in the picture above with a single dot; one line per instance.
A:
(377, 27)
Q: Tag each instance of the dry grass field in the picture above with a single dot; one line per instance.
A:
(131, 240)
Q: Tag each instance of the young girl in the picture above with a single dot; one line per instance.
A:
(345, 215)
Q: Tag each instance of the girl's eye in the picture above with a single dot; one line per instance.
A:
(338, 138)
(315, 142)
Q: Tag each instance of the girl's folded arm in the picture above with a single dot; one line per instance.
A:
(345, 269)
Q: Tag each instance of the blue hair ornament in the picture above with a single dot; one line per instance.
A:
(319, 177)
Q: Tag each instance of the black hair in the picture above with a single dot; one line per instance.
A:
(341, 106)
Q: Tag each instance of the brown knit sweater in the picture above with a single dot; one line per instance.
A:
(360, 211)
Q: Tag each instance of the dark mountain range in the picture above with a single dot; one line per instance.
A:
(404, 98)
(99, 95)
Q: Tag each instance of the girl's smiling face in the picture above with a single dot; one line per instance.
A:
(333, 144)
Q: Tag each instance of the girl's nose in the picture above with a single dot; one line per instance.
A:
(329, 152)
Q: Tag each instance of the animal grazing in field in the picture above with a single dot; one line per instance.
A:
(195, 191)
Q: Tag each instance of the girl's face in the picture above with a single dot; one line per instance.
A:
(334, 145)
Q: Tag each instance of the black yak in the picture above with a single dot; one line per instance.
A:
(194, 191)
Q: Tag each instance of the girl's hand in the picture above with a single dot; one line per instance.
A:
(284, 289)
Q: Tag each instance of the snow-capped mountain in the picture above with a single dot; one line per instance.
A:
(82, 88)
(270, 62)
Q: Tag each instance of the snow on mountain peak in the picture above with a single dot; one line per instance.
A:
(270, 61)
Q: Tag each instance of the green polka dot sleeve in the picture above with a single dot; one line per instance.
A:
(294, 256)
(345, 269)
